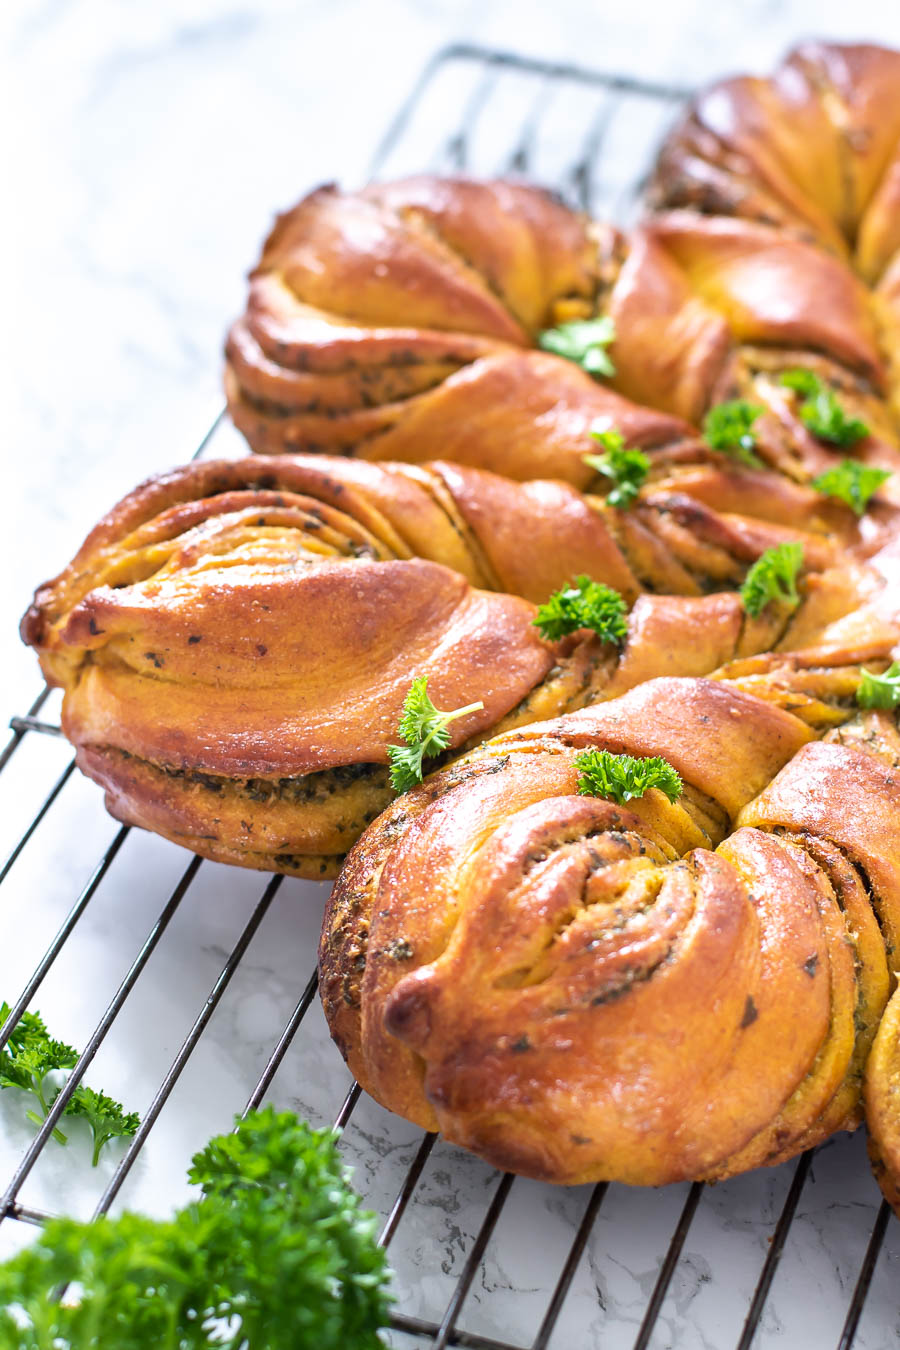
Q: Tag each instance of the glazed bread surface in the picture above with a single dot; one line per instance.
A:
(579, 990)
(236, 639)
(463, 277)
(573, 988)
(404, 316)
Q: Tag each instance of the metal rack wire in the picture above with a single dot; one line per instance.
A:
(590, 135)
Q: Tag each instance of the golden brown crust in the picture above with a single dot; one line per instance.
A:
(772, 289)
(529, 248)
(578, 990)
(705, 308)
(523, 414)
(447, 1027)
(380, 321)
(230, 634)
(572, 988)
(882, 1102)
(302, 826)
(813, 150)
(810, 156)
(235, 635)
(793, 189)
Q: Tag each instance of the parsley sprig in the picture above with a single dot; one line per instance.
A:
(851, 482)
(627, 470)
(30, 1059)
(622, 777)
(880, 691)
(29, 1056)
(583, 341)
(773, 577)
(821, 411)
(584, 604)
(729, 427)
(277, 1252)
(107, 1118)
(425, 729)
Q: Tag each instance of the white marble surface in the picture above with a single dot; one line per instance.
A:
(145, 148)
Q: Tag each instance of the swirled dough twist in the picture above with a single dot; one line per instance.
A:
(573, 988)
(235, 642)
(236, 638)
(381, 321)
(580, 990)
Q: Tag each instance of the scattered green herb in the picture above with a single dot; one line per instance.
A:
(31, 1054)
(880, 691)
(106, 1118)
(276, 1254)
(773, 577)
(28, 1057)
(622, 777)
(584, 604)
(729, 427)
(425, 730)
(851, 482)
(626, 469)
(583, 341)
(821, 411)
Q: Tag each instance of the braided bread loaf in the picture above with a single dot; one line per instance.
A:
(580, 990)
(704, 309)
(390, 321)
(236, 639)
(814, 150)
(572, 988)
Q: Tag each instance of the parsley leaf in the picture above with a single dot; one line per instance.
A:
(584, 604)
(880, 691)
(276, 1254)
(622, 777)
(425, 730)
(626, 469)
(821, 411)
(851, 482)
(729, 427)
(28, 1057)
(583, 341)
(773, 577)
(107, 1118)
(406, 766)
(31, 1054)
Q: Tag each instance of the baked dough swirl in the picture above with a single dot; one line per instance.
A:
(572, 988)
(813, 149)
(236, 639)
(399, 318)
(383, 321)
(579, 990)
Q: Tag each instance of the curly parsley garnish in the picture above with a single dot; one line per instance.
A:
(277, 1251)
(773, 577)
(31, 1055)
(821, 411)
(729, 427)
(584, 604)
(106, 1118)
(880, 691)
(627, 470)
(583, 341)
(425, 730)
(28, 1057)
(851, 482)
(622, 777)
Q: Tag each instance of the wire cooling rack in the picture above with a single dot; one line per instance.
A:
(224, 975)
